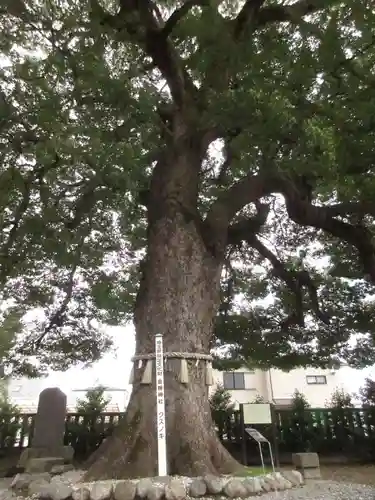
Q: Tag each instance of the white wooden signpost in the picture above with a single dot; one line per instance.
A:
(160, 406)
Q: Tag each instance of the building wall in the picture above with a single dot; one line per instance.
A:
(255, 385)
(276, 385)
(284, 384)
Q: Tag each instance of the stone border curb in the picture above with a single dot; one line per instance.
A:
(67, 486)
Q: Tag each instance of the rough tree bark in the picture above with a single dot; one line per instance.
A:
(178, 297)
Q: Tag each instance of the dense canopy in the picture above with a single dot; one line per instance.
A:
(280, 95)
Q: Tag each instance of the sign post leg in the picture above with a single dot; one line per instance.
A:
(271, 455)
(261, 456)
(160, 406)
(274, 422)
(243, 437)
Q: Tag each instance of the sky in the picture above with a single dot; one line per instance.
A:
(113, 370)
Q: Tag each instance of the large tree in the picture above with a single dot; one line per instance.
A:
(211, 142)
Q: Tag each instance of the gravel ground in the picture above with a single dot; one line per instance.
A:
(360, 474)
(5, 483)
(324, 490)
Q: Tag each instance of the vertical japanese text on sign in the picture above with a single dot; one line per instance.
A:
(160, 406)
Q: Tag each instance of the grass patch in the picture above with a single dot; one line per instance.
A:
(253, 471)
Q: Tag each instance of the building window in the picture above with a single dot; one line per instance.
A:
(234, 380)
(316, 379)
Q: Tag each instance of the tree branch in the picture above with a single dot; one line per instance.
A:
(291, 13)
(305, 214)
(6, 260)
(350, 208)
(58, 318)
(247, 190)
(255, 15)
(138, 20)
(296, 280)
(150, 35)
(246, 227)
(180, 13)
(227, 163)
(300, 209)
(7, 257)
(15, 8)
(84, 203)
(246, 16)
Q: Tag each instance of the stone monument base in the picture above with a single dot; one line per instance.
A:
(64, 452)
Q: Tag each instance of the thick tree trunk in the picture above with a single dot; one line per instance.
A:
(178, 297)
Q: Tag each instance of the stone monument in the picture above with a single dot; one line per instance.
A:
(47, 446)
(307, 464)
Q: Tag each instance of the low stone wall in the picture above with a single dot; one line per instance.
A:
(69, 485)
